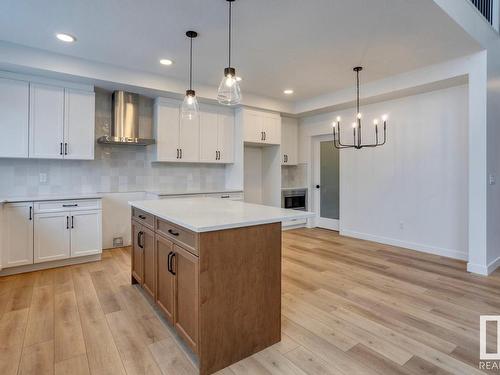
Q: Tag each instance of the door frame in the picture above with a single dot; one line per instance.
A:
(320, 222)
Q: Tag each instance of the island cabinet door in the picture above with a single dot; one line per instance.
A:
(165, 279)
(185, 266)
(137, 252)
(148, 251)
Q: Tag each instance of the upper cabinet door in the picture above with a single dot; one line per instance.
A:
(189, 140)
(14, 106)
(289, 141)
(225, 138)
(253, 127)
(46, 124)
(208, 137)
(79, 125)
(166, 123)
(272, 130)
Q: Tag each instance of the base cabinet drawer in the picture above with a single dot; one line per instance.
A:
(185, 238)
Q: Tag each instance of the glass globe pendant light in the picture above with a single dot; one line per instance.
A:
(229, 89)
(189, 109)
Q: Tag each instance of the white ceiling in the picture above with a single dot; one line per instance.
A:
(307, 45)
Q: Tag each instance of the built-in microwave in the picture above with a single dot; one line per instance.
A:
(294, 199)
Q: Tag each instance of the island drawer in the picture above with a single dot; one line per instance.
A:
(143, 217)
(186, 238)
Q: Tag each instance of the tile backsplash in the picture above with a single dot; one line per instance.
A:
(294, 176)
(114, 169)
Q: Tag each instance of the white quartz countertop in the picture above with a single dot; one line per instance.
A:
(49, 197)
(211, 214)
(183, 192)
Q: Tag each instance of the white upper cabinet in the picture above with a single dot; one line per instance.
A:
(261, 127)
(45, 119)
(79, 123)
(209, 151)
(289, 141)
(189, 140)
(209, 140)
(216, 136)
(225, 137)
(166, 123)
(46, 122)
(14, 105)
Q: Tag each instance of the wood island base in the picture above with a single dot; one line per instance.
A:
(221, 290)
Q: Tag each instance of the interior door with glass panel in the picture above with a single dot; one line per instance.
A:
(326, 184)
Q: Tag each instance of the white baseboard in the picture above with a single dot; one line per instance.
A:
(47, 265)
(408, 245)
(482, 269)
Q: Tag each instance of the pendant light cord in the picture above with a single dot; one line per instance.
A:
(191, 64)
(230, 16)
(357, 92)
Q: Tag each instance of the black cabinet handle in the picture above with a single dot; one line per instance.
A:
(65, 149)
(225, 196)
(172, 264)
(180, 153)
(169, 265)
(61, 149)
(72, 222)
(70, 205)
(142, 217)
(317, 186)
(31, 213)
(173, 233)
(139, 239)
(67, 222)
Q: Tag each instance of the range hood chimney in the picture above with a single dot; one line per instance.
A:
(125, 121)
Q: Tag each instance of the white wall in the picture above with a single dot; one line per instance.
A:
(418, 180)
(253, 174)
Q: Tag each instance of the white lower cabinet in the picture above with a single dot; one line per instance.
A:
(18, 234)
(48, 231)
(85, 233)
(52, 236)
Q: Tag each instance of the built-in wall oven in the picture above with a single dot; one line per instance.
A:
(295, 199)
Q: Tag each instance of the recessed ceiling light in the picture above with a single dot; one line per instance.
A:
(288, 92)
(65, 37)
(167, 62)
(238, 78)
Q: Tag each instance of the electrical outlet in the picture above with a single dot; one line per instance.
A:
(43, 178)
(492, 179)
(401, 225)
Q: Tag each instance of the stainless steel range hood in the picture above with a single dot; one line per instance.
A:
(125, 121)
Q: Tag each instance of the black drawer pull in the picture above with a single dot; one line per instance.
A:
(225, 196)
(173, 233)
(142, 217)
(70, 205)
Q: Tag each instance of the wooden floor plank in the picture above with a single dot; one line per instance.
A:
(349, 307)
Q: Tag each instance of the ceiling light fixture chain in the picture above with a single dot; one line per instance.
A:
(357, 142)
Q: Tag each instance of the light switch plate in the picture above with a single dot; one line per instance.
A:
(43, 178)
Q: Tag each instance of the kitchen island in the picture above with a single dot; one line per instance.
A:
(213, 267)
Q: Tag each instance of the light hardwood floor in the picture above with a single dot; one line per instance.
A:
(349, 307)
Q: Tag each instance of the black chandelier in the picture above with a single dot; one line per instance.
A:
(356, 126)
